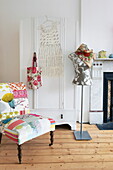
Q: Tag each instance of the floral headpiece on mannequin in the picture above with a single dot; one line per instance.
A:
(85, 54)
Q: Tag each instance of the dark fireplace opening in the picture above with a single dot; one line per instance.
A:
(108, 97)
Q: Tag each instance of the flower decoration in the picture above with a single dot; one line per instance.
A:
(85, 54)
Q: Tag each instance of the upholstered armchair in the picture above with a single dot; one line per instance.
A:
(16, 120)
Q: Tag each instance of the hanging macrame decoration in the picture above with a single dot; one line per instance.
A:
(50, 52)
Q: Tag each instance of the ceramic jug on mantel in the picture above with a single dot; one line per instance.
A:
(102, 54)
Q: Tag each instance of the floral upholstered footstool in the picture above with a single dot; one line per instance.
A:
(16, 121)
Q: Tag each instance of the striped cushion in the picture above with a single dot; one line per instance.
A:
(11, 134)
(25, 127)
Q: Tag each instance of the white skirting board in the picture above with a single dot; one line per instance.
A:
(96, 117)
(61, 116)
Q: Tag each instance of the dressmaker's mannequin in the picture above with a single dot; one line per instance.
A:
(82, 61)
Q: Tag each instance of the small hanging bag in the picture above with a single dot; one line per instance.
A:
(34, 75)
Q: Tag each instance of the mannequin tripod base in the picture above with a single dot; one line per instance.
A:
(84, 135)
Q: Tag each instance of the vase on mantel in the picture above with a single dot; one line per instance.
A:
(102, 54)
(111, 56)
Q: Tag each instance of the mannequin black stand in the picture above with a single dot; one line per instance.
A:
(82, 135)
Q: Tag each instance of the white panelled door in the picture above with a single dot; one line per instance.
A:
(56, 98)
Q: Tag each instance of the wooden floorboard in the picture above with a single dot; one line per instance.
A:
(65, 154)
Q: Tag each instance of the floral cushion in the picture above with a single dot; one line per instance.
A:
(25, 127)
(13, 100)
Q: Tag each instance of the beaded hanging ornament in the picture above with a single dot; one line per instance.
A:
(50, 52)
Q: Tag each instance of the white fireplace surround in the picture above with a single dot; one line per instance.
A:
(96, 103)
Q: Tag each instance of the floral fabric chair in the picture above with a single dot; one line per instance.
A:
(16, 120)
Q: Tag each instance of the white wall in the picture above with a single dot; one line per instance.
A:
(11, 12)
(97, 24)
(96, 30)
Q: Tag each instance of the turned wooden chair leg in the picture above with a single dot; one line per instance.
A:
(0, 137)
(51, 138)
(19, 154)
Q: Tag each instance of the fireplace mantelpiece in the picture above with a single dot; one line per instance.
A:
(100, 66)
